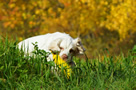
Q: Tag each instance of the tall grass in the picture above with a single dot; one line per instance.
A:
(26, 72)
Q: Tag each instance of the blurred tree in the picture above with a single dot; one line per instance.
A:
(99, 18)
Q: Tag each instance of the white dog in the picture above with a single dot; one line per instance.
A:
(65, 44)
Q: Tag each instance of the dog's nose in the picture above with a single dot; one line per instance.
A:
(64, 57)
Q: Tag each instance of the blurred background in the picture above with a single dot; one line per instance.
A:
(101, 24)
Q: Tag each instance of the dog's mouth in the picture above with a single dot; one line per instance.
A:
(64, 57)
(68, 59)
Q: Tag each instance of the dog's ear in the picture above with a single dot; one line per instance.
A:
(55, 45)
(79, 45)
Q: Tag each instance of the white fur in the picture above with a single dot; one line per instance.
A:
(61, 42)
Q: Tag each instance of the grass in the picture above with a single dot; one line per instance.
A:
(24, 72)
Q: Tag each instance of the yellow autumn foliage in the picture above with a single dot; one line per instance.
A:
(72, 16)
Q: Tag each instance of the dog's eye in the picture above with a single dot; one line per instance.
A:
(78, 43)
(71, 50)
(61, 48)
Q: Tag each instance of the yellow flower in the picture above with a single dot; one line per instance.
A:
(61, 63)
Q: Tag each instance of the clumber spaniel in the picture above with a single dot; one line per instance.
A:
(61, 42)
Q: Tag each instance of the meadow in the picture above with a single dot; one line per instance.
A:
(102, 72)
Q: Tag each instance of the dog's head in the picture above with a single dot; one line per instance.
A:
(67, 47)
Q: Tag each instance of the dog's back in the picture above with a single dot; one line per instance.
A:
(43, 41)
